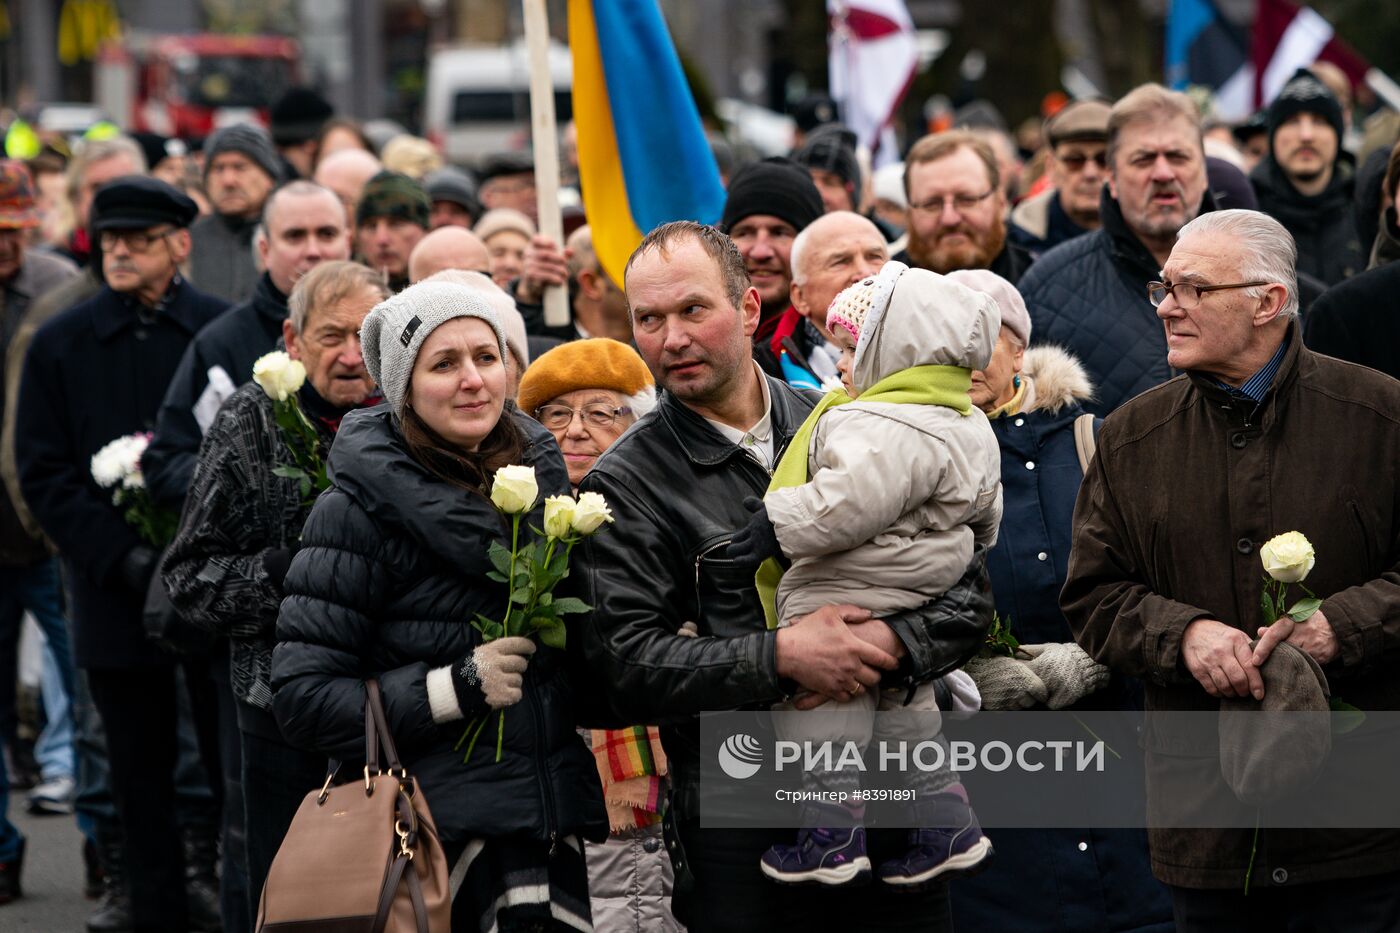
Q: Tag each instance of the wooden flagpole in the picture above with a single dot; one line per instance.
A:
(545, 136)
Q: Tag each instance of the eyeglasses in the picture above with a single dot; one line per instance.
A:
(1187, 295)
(559, 417)
(1075, 161)
(961, 202)
(138, 241)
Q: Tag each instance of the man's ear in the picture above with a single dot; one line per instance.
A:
(180, 244)
(1271, 304)
(590, 283)
(799, 301)
(750, 309)
(289, 337)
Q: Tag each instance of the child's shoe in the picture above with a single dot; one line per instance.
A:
(821, 856)
(959, 849)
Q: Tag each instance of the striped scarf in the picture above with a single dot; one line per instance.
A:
(631, 765)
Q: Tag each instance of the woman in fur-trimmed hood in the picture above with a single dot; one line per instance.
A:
(1081, 879)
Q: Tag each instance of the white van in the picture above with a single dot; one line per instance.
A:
(478, 98)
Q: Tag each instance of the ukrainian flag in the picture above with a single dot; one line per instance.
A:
(643, 157)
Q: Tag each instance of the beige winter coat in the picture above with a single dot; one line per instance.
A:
(899, 493)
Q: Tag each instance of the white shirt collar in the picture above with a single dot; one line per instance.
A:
(757, 441)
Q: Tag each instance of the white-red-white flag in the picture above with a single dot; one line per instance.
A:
(871, 66)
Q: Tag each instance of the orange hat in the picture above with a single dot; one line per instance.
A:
(596, 363)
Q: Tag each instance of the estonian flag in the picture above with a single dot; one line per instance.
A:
(642, 153)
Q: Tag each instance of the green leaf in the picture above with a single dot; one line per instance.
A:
(1347, 717)
(1303, 609)
(546, 599)
(290, 472)
(554, 635)
(500, 558)
(521, 596)
(1266, 606)
(569, 604)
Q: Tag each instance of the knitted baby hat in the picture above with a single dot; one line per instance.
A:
(849, 309)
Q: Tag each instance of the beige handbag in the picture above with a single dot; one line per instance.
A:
(362, 857)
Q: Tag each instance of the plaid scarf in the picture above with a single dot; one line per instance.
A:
(631, 765)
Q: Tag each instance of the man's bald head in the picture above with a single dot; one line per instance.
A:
(448, 248)
(833, 251)
(345, 172)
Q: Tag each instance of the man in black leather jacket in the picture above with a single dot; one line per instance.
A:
(676, 482)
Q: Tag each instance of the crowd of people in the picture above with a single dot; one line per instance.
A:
(1075, 388)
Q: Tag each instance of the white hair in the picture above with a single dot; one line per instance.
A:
(1270, 255)
(799, 248)
(641, 402)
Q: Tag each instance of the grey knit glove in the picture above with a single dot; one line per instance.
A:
(1067, 671)
(1005, 683)
(493, 675)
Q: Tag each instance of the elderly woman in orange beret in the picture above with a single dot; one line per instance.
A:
(586, 393)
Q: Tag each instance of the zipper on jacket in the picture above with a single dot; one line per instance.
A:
(546, 793)
(704, 554)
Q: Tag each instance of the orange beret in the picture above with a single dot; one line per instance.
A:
(596, 363)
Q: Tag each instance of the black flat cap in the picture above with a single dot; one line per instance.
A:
(505, 163)
(136, 202)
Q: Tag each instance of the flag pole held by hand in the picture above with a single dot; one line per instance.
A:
(546, 143)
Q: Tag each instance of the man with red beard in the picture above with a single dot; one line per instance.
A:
(769, 203)
(957, 211)
(1089, 295)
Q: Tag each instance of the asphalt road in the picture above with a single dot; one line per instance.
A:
(52, 877)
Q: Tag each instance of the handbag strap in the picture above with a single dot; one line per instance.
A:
(406, 826)
(377, 730)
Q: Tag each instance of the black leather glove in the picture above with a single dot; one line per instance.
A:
(756, 541)
(137, 567)
(278, 561)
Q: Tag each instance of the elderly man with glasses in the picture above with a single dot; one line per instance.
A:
(94, 373)
(1258, 437)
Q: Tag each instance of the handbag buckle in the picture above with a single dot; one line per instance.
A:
(325, 789)
(402, 831)
(369, 782)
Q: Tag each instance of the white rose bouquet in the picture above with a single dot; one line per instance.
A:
(281, 377)
(117, 466)
(532, 569)
(1288, 558)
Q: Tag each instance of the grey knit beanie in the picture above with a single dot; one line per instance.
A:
(393, 333)
(245, 139)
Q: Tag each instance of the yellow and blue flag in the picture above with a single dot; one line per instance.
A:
(642, 153)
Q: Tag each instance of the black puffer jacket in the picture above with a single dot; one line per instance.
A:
(677, 488)
(1323, 225)
(391, 571)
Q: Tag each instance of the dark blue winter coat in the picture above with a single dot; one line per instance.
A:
(94, 373)
(1089, 296)
(1053, 880)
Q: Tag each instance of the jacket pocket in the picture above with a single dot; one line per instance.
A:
(725, 597)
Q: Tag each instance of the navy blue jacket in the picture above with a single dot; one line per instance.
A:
(1065, 880)
(94, 373)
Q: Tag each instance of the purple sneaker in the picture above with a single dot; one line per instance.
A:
(960, 849)
(821, 856)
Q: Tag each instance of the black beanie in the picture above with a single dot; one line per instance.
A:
(1304, 92)
(777, 187)
(298, 116)
(832, 148)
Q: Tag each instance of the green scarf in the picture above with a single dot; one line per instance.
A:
(920, 385)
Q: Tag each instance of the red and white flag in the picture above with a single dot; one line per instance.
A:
(1286, 38)
(871, 66)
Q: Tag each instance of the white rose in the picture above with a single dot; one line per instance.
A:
(279, 375)
(515, 490)
(1288, 557)
(591, 511)
(119, 460)
(558, 516)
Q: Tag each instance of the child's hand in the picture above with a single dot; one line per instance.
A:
(757, 541)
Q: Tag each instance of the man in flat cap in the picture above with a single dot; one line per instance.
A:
(507, 179)
(392, 216)
(241, 167)
(1078, 167)
(94, 373)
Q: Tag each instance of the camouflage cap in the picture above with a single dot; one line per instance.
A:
(390, 194)
(18, 210)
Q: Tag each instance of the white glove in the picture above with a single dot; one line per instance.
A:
(1067, 672)
(493, 674)
(1005, 683)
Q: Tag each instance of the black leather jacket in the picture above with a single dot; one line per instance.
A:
(676, 488)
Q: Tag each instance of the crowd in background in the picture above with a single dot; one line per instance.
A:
(187, 709)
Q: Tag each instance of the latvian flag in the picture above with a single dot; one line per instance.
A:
(1204, 48)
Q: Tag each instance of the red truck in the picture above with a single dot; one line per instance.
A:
(187, 85)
